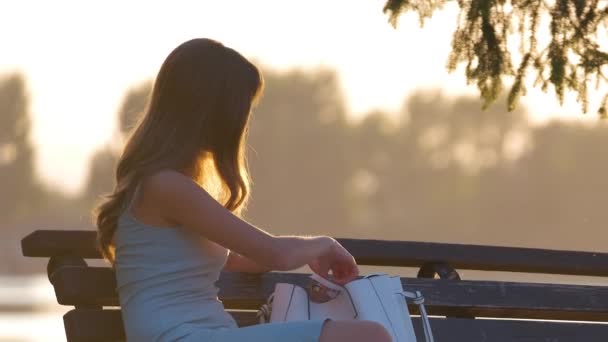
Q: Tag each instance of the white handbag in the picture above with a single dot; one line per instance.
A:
(376, 297)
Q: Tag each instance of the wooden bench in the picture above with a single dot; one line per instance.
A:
(492, 311)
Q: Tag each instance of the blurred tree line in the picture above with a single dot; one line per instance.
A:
(442, 169)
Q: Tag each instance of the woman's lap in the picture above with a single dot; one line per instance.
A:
(296, 331)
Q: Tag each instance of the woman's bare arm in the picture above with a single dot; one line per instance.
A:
(178, 199)
(239, 263)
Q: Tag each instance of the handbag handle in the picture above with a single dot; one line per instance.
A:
(418, 299)
(333, 286)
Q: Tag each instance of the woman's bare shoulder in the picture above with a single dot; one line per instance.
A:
(155, 190)
(167, 180)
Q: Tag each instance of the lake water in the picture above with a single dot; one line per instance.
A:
(29, 311)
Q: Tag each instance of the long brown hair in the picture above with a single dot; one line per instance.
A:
(195, 122)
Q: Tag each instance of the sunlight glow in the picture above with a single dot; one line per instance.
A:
(79, 58)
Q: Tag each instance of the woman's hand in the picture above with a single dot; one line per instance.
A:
(336, 259)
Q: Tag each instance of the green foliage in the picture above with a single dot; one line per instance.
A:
(569, 62)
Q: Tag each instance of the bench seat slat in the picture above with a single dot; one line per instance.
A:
(46, 243)
(96, 286)
(106, 325)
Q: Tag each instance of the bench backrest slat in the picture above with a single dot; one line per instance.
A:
(46, 243)
(96, 286)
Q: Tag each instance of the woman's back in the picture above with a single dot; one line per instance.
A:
(166, 280)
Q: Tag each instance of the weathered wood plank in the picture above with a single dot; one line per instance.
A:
(93, 325)
(106, 325)
(476, 257)
(445, 297)
(96, 286)
(45, 243)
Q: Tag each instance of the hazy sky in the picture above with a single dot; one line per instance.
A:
(79, 58)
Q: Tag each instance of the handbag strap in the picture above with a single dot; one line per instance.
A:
(334, 286)
(418, 299)
(263, 313)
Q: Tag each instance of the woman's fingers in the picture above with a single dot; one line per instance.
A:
(339, 261)
(320, 267)
(345, 272)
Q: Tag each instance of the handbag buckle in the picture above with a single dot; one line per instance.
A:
(319, 293)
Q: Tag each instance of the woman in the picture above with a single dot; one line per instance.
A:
(172, 222)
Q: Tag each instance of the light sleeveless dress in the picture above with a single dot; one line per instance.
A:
(166, 286)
